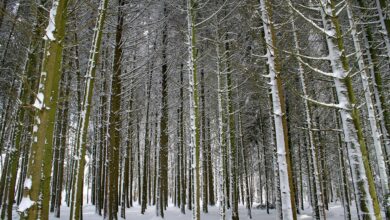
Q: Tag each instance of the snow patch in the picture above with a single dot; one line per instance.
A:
(37, 120)
(16, 8)
(51, 27)
(25, 204)
(39, 101)
(28, 183)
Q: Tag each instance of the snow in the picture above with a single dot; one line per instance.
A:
(287, 211)
(51, 26)
(39, 101)
(383, 27)
(25, 204)
(369, 104)
(15, 8)
(173, 213)
(28, 183)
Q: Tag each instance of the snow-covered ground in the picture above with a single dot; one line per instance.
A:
(173, 213)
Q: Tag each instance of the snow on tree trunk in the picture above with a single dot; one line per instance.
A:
(278, 113)
(36, 196)
(244, 156)
(193, 101)
(182, 150)
(221, 171)
(83, 120)
(31, 71)
(375, 134)
(353, 136)
(164, 136)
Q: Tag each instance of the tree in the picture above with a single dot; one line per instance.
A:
(76, 207)
(278, 106)
(39, 167)
(163, 154)
(194, 103)
(366, 193)
(319, 211)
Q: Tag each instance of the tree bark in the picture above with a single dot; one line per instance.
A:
(40, 160)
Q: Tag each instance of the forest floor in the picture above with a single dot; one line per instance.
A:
(173, 213)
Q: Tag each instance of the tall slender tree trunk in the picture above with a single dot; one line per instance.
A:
(3, 11)
(278, 106)
(25, 115)
(210, 167)
(126, 164)
(343, 167)
(146, 162)
(182, 150)
(204, 147)
(382, 108)
(163, 154)
(37, 191)
(232, 137)
(375, 134)
(62, 148)
(221, 172)
(244, 157)
(350, 118)
(115, 118)
(318, 207)
(194, 103)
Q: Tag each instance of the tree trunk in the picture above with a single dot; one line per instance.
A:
(40, 160)
(222, 189)
(163, 154)
(182, 150)
(278, 106)
(375, 134)
(83, 120)
(194, 104)
(146, 150)
(115, 117)
(350, 119)
(204, 147)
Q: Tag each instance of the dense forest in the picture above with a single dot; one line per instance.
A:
(263, 109)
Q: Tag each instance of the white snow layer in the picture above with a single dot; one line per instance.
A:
(39, 101)
(25, 204)
(173, 213)
(51, 27)
(27, 183)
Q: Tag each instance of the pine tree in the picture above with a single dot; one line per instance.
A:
(194, 104)
(37, 192)
(278, 106)
(163, 154)
(318, 211)
(350, 119)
